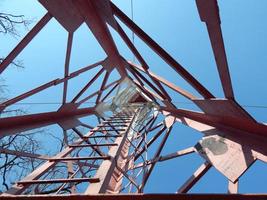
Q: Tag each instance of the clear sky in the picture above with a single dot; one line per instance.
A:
(176, 26)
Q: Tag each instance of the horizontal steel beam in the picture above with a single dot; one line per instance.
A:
(80, 158)
(226, 123)
(17, 124)
(141, 197)
(91, 145)
(23, 154)
(51, 181)
(101, 136)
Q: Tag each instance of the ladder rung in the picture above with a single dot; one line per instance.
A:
(102, 126)
(114, 122)
(123, 114)
(81, 158)
(120, 118)
(94, 145)
(107, 130)
(91, 180)
(120, 121)
(101, 136)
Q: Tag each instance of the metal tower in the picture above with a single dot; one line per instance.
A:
(110, 160)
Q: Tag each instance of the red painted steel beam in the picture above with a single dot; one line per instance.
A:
(65, 13)
(25, 41)
(87, 141)
(131, 46)
(140, 85)
(97, 92)
(140, 58)
(137, 73)
(99, 28)
(110, 91)
(42, 169)
(167, 157)
(209, 13)
(184, 93)
(140, 197)
(150, 142)
(102, 87)
(160, 92)
(81, 158)
(87, 85)
(107, 167)
(153, 96)
(232, 187)
(12, 125)
(161, 52)
(92, 145)
(201, 171)
(157, 154)
(46, 85)
(23, 154)
(54, 181)
(226, 123)
(66, 69)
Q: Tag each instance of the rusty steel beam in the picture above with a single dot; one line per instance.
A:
(25, 41)
(161, 52)
(209, 13)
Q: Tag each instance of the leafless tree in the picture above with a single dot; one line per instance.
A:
(13, 167)
(10, 25)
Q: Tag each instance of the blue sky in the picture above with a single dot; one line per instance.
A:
(176, 26)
